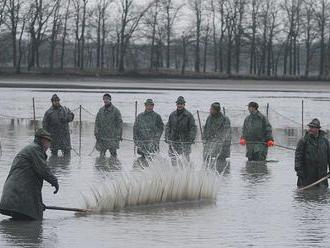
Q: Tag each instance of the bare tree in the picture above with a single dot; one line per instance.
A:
(185, 39)
(309, 29)
(3, 5)
(40, 13)
(101, 8)
(322, 19)
(221, 9)
(16, 24)
(197, 8)
(171, 12)
(254, 24)
(65, 33)
(239, 32)
(54, 33)
(130, 19)
(80, 7)
(206, 35)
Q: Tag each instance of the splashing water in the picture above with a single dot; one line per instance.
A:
(159, 183)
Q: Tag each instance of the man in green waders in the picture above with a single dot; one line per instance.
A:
(147, 130)
(257, 134)
(21, 196)
(312, 156)
(216, 138)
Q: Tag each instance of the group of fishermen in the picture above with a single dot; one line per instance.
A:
(21, 196)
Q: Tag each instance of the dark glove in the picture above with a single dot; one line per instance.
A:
(43, 207)
(300, 173)
(56, 187)
(120, 139)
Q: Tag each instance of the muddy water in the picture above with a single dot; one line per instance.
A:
(256, 205)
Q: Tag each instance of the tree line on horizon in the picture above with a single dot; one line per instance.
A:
(229, 37)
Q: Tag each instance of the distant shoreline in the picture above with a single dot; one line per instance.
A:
(154, 81)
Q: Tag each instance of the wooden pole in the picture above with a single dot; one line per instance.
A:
(224, 110)
(302, 117)
(34, 115)
(135, 116)
(315, 183)
(80, 127)
(200, 123)
(267, 110)
(81, 210)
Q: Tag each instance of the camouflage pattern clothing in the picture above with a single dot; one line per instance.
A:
(312, 159)
(217, 137)
(56, 122)
(180, 132)
(22, 190)
(256, 131)
(108, 129)
(147, 130)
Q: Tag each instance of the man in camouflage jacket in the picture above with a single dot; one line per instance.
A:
(257, 134)
(216, 135)
(147, 130)
(180, 131)
(312, 156)
(108, 128)
(56, 122)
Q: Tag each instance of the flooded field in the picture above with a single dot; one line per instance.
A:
(256, 205)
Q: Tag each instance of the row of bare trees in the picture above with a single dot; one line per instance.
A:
(249, 37)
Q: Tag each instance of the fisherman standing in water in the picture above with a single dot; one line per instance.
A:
(21, 196)
(257, 134)
(180, 131)
(312, 157)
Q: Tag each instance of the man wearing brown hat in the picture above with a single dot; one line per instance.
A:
(180, 131)
(312, 156)
(56, 121)
(257, 134)
(108, 129)
(21, 196)
(216, 138)
(147, 130)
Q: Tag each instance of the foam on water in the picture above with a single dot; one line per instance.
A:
(159, 183)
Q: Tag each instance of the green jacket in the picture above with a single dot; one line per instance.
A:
(312, 158)
(257, 128)
(56, 122)
(22, 190)
(217, 136)
(108, 128)
(147, 130)
(181, 127)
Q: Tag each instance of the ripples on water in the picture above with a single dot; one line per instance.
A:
(256, 205)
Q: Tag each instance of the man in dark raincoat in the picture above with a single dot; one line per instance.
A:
(180, 131)
(216, 136)
(257, 134)
(21, 196)
(108, 129)
(147, 130)
(56, 122)
(312, 156)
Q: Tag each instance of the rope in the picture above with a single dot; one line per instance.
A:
(87, 111)
(293, 121)
(278, 145)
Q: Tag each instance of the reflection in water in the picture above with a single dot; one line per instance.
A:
(59, 164)
(21, 233)
(255, 171)
(312, 220)
(316, 195)
(106, 164)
